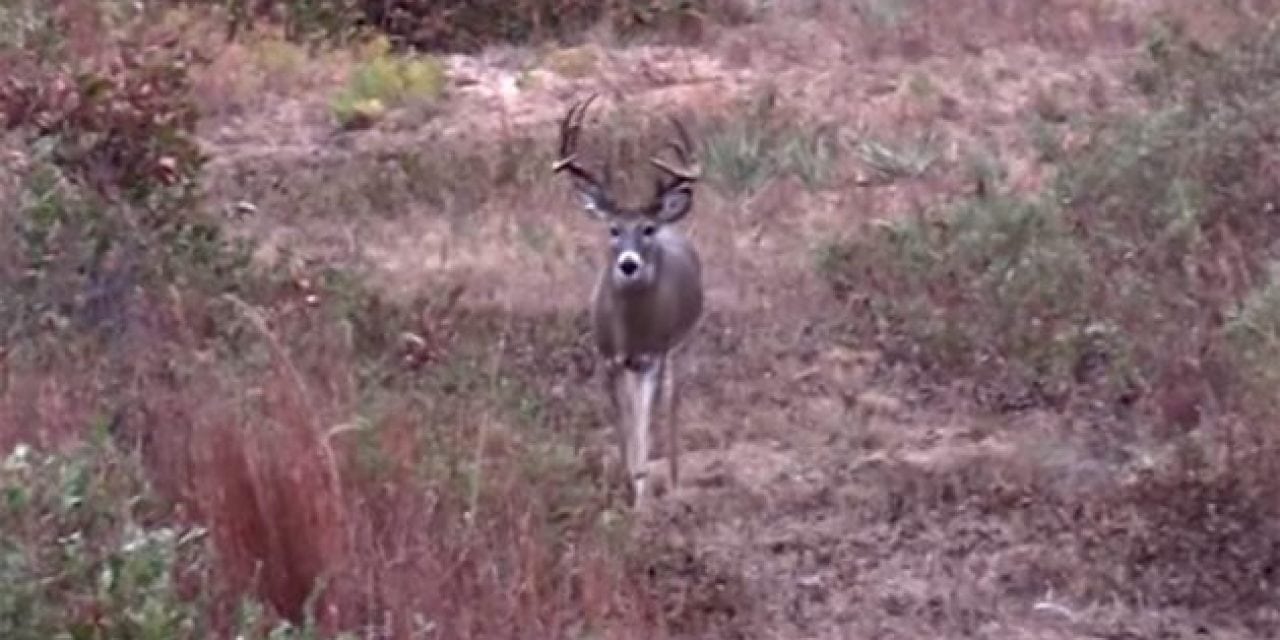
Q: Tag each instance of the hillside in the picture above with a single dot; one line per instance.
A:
(899, 419)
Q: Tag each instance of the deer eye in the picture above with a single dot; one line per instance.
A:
(649, 229)
(615, 231)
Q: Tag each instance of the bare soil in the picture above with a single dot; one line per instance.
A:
(824, 496)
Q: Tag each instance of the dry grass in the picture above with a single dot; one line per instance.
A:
(427, 467)
(1111, 297)
(342, 482)
(432, 511)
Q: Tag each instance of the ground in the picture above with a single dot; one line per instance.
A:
(824, 495)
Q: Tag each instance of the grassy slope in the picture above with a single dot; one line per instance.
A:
(830, 494)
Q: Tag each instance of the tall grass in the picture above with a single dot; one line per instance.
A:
(199, 444)
(1133, 281)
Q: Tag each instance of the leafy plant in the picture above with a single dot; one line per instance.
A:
(388, 81)
(1114, 283)
(81, 557)
(757, 143)
(909, 159)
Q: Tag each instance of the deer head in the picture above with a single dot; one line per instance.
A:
(635, 232)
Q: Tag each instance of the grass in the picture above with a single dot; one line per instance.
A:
(1114, 283)
(757, 143)
(206, 447)
(892, 161)
(576, 62)
(387, 81)
(884, 13)
(242, 461)
(333, 479)
(1252, 332)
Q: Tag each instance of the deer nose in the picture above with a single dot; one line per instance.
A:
(628, 263)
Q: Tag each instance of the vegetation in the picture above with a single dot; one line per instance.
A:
(201, 444)
(204, 436)
(759, 142)
(467, 26)
(384, 81)
(77, 561)
(1134, 279)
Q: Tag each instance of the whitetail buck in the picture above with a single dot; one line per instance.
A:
(647, 299)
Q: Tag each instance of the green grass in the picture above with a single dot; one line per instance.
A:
(1149, 253)
(758, 143)
(387, 81)
(892, 160)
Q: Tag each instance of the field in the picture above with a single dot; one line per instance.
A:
(295, 338)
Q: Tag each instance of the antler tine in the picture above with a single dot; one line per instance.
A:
(682, 147)
(570, 129)
(572, 125)
(685, 146)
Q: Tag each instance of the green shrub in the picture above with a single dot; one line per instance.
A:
(467, 26)
(108, 197)
(757, 143)
(1253, 335)
(1119, 276)
(996, 286)
(387, 81)
(85, 554)
(894, 160)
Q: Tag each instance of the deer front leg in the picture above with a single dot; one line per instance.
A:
(645, 395)
(672, 400)
(615, 388)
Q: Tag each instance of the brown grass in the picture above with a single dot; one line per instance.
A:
(469, 528)
(447, 483)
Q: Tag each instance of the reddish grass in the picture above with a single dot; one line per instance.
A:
(926, 28)
(293, 505)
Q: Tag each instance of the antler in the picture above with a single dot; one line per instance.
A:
(570, 128)
(689, 172)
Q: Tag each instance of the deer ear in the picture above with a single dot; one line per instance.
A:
(674, 204)
(594, 202)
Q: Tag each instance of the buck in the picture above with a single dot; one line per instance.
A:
(647, 299)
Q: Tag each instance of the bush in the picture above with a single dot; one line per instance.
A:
(387, 81)
(997, 289)
(354, 462)
(759, 142)
(87, 551)
(108, 193)
(457, 25)
(1124, 281)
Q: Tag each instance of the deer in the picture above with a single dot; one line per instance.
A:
(647, 298)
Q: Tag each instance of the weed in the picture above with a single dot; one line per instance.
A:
(739, 157)
(910, 159)
(278, 58)
(83, 555)
(884, 13)
(757, 144)
(1046, 140)
(305, 21)
(578, 62)
(921, 86)
(813, 156)
(1116, 280)
(387, 81)
(986, 168)
(1253, 335)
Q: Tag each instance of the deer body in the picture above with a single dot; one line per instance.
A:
(631, 322)
(646, 301)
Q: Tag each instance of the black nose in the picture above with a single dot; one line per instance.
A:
(628, 267)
